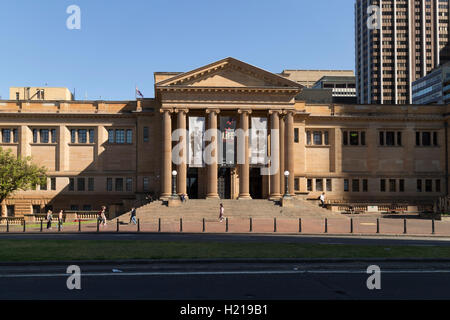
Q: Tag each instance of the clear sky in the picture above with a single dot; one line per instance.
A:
(121, 43)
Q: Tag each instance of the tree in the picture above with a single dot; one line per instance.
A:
(18, 174)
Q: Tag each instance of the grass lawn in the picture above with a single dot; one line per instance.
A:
(42, 250)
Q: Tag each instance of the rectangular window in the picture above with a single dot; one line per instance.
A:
(308, 138)
(428, 185)
(73, 136)
(82, 136)
(317, 138)
(71, 184)
(399, 138)
(438, 185)
(90, 184)
(392, 185)
(35, 135)
(319, 184)
(309, 185)
(365, 184)
(80, 184)
(44, 135)
(53, 132)
(329, 185)
(355, 185)
(296, 135)
(381, 138)
(426, 138)
(435, 138)
(146, 134)
(109, 184)
(129, 136)
(401, 185)
(120, 136)
(419, 185)
(297, 184)
(354, 138)
(91, 136)
(346, 185)
(325, 138)
(417, 138)
(390, 138)
(145, 184)
(129, 185)
(53, 183)
(15, 135)
(6, 135)
(382, 185)
(111, 136)
(345, 138)
(119, 184)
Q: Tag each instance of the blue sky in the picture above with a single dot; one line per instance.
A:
(121, 43)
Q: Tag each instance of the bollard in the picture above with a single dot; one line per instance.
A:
(204, 227)
(117, 225)
(404, 226)
(251, 225)
(378, 225)
(98, 226)
(432, 226)
(351, 225)
(274, 224)
(59, 225)
(159, 224)
(226, 225)
(139, 225)
(181, 224)
(79, 225)
(41, 225)
(326, 225)
(24, 225)
(300, 225)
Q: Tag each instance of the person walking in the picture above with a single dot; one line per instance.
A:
(322, 200)
(103, 215)
(49, 219)
(133, 216)
(221, 212)
(61, 217)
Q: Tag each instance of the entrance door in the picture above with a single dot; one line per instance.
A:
(224, 183)
(192, 183)
(256, 191)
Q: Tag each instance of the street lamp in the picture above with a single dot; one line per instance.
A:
(286, 184)
(174, 183)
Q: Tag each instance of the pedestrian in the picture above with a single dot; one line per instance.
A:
(103, 215)
(221, 211)
(61, 217)
(183, 197)
(49, 219)
(133, 216)
(100, 216)
(322, 200)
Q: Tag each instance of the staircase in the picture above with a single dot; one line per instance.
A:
(198, 209)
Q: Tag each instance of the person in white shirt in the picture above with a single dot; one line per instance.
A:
(322, 200)
(221, 211)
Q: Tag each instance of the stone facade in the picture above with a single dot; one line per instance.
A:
(114, 152)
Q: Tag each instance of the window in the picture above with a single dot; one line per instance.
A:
(308, 138)
(15, 135)
(428, 185)
(319, 184)
(80, 184)
(317, 138)
(145, 184)
(119, 184)
(419, 185)
(110, 136)
(82, 136)
(129, 136)
(44, 133)
(438, 186)
(71, 184)
(146, 134)
(401, 185)
(90, 184)
(382, 185)
(35, 135)
(109, 184)
(53, 132)
(296, 184)
(91, 136)
(73, 136)
(329, 185)
(354, 138)
(325, 138)
(87, 207)
(129, 185)
(53, 183)
(309, 185)
(355, 185)
(346, 185)
(73, 207)
(365, 185)
(296, 135)
(392, 185)
(120, 136)
(427, 138)
(6, 135)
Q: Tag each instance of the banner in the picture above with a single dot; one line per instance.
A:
(196, 142)
(227, 142)
(258, 141)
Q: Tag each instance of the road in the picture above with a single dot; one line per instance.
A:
(238, 281)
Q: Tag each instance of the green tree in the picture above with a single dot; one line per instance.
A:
(18, 174)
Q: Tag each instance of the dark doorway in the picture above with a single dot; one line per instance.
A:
(192, 183)
(256, 182)
(224, 183)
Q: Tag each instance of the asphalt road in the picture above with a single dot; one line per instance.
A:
(232, 281)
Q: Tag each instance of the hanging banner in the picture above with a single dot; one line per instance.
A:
(227, 143)
(196, 142)
(258, 141)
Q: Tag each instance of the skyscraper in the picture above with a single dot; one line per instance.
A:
(397, 42)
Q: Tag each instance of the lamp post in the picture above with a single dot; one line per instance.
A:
(286, 185)
(174, 183)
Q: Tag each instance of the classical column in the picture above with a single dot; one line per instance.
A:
(275, 155)
(166, 172)
(244, 168)
(212, 166)
(282, 153)
(289, 119)
(182, 171)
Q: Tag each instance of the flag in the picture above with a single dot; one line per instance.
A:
(138, 93)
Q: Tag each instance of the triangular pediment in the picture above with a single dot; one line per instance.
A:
(228, 73)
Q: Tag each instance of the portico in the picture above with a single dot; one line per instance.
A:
(226, 96)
